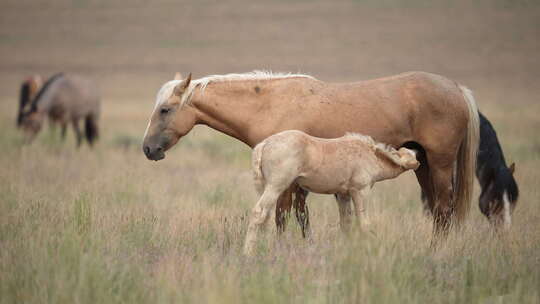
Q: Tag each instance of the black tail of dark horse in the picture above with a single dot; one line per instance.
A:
(91, 129)
(495, 177)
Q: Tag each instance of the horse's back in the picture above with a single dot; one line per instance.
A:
(78, 95)
(393, 109)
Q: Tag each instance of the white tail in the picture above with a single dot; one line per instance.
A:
(466, 162)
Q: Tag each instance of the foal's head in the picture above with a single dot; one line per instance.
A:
(171, 119)
(408, 159)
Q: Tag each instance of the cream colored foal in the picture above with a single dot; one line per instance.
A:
(347, 167)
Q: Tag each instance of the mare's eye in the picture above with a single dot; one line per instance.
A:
(164, 110)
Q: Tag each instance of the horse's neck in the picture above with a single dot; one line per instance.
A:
(233, 109)
(46, 99)
(387, 169)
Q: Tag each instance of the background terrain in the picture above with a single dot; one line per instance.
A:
(108, 226)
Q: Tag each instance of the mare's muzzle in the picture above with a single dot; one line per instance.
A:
(154, 153)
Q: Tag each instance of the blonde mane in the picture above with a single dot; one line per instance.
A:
(167, 89)
(384, 149)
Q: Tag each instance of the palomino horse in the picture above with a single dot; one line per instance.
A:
(347, 167)
(29, 90)
(64, 99)
(417, 110)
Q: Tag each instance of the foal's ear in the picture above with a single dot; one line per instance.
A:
(177, 76)
(182, 86)
(512, 168)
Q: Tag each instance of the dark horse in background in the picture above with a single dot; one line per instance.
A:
(65, 99)
(499, 190)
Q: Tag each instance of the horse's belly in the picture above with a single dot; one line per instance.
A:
(322, 185)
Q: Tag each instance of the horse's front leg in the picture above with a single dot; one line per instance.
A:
(301, 210)
(283, 209)
(78, 134)
(358, 199)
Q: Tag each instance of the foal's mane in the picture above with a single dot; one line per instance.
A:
(43, 89)
(167, 89)
(384, 149)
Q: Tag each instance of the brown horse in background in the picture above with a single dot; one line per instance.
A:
(64, 99)
(417, 110)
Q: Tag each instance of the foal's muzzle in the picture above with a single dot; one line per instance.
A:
(156, 153)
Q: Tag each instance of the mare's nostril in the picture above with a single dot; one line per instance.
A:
(159, 149)
(147, 150)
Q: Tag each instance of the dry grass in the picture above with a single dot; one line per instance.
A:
(108, 226)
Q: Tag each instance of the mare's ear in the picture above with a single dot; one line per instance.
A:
(512, 168)
(177, 76)
(182, 86)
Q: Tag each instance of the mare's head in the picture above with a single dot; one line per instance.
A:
(499, 198)
(171, 119)
(29, 89)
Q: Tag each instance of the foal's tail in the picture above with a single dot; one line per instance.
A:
(256, 164)
(466, 159)
(91, 129)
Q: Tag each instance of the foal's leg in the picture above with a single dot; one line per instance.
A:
(358, 199)
(259, 216)
(345, 211)
(77, 130)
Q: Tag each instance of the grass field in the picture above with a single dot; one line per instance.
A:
(108, 226)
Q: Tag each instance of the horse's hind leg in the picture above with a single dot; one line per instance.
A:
(259, 216)
(301, 210)
(283, 209)
(345, 212)
(91, 130)
(77, 130)
(443, 208)
(424, 179)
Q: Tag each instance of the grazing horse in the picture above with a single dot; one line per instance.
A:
(347, 167)
(64, 99)
(499, 188)
(417, 110)
(29, 90)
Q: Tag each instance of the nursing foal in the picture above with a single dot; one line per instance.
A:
(347, 167)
